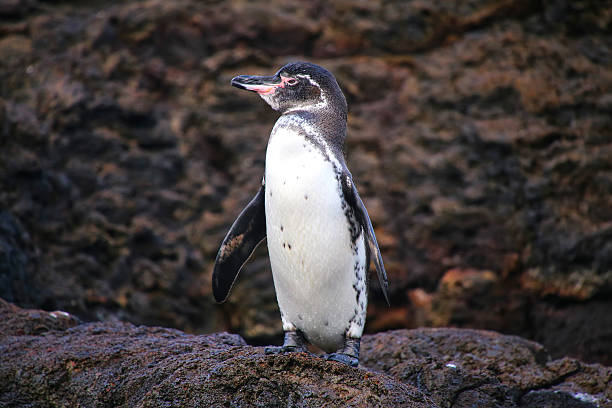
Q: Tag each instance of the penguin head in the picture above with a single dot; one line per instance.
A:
(296, 86)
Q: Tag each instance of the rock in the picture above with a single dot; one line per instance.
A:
(16, 8)
(555, 322)
(466, 368)
(479, 138)
(31, 322)
(14, 243)
(119, 364)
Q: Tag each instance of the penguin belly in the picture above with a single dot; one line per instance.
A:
(319, 273)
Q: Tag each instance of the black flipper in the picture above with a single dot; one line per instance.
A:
(352, 198)
(246, 233)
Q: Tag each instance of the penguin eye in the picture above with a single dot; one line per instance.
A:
(291, 81)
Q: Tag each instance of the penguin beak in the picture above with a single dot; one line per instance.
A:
(263, 85)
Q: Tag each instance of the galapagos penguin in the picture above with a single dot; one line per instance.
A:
(320, 237)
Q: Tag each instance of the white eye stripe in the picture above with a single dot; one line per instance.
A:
(318, 105)
(312, 81)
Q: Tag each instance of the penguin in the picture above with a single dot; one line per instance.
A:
(319, 234)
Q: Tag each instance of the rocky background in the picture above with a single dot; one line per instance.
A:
(480, 137)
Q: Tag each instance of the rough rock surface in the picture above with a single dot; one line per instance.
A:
(480, 137)
(117, 364)
(113, 364)
(477, 368)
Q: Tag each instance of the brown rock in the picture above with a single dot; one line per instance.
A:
(464, 368)
(31, 322)
(121, 365)
(479, 136)
(118, 364)
(16, 8)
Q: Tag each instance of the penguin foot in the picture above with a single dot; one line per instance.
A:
(342, 358)
(284, 349)
(294, 343)
(348, 354)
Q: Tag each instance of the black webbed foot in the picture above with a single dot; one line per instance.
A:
(348, 354)
(342, 358)
(284, 349)
(294, 343)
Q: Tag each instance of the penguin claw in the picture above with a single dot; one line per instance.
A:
(284, 349)
(342, 358)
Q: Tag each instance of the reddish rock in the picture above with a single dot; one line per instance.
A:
(466, 368)
(120, 365)
(479, 137)
(113, 364)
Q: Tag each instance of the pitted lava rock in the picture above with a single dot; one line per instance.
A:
(480, 138)
(116, 364)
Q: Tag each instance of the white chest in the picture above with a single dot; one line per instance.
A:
(302, 185)
(315, 266)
